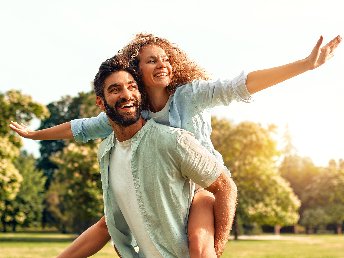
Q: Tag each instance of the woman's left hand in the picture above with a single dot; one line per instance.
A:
(320, 55)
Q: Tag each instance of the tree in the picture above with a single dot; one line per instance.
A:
(250, 153)
(327, 192)
(18, 107)
(314, 218)
(299, 172)
(75, 198)
(10, 180)
(26, 208)
(66, 109)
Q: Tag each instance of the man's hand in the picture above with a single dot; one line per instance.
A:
(22, 130)
(320, 55)
(225, 192)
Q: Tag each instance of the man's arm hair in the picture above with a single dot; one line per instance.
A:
(225, 192)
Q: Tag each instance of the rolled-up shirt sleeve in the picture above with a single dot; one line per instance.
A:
(197, 163)
(208, 94)
(86, 129)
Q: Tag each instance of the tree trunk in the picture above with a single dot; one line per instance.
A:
(236, 227)
(339, 229)
(4, 227)
(295, 229)
(14, 226)
(277, 229)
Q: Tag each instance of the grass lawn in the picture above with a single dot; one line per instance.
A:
(44, 245)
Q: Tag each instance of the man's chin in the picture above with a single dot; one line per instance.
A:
(125, 120)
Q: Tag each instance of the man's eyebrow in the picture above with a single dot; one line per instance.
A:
(113, 86)
(132, 81)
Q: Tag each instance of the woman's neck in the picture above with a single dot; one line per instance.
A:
(157, 99)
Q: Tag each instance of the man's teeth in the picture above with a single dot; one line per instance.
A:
(127, 106)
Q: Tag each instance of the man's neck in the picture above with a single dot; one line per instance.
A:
(124, 133)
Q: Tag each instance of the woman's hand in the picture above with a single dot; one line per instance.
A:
(22, 130)
(320, 55)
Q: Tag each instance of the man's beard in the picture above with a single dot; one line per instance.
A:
(120, 119)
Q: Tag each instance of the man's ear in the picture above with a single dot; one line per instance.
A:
(100, 103)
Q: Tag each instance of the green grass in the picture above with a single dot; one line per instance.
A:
(44, 245)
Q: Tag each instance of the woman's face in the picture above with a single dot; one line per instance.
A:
(155, 67)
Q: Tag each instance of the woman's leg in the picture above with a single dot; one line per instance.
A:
(89, 242)
(201, 228)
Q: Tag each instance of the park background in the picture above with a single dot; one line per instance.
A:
(285, 150)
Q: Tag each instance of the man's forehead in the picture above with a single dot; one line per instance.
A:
(119, 77)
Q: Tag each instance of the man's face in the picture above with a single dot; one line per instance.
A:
(122, 99)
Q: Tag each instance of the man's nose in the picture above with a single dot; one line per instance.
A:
(126, 94)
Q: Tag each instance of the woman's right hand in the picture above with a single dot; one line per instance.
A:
(22, 130)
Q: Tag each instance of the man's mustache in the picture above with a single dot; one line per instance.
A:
(135, 102)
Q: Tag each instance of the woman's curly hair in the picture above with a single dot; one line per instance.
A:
(184, 70)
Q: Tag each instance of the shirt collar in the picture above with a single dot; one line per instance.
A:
(110, 142)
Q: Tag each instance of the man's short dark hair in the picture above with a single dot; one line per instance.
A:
(111, 65)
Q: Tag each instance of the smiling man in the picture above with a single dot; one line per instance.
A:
(146, 170)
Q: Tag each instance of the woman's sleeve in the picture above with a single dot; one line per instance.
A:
(208, 94)
(86, 129)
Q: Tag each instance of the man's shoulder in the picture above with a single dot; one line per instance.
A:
(168, 130)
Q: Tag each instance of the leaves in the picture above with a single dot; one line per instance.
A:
(250, 152)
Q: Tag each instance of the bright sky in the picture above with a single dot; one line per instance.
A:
(53, 48)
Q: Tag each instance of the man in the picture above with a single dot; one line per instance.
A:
(146, 170)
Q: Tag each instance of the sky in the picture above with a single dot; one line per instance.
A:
(50, 49)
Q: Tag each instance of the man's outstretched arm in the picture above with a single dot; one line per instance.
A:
(89, 242)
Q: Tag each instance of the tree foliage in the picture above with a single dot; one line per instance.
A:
(250, 152)
(75, 198)
(327, 193)
(17, 107)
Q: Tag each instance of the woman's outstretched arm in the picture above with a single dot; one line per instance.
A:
(58, 132)
(262, 79)
(82, 130)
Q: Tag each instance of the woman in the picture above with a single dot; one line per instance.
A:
(176, 95)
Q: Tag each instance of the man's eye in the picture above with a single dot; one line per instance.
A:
(113, 90)
(151, 61)
(133, 87)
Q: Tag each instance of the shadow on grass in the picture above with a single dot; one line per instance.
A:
(35, 240)
(35, 237)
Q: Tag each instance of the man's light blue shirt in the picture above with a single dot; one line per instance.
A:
(164, 160)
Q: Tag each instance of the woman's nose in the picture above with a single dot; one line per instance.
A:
(161, 63)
